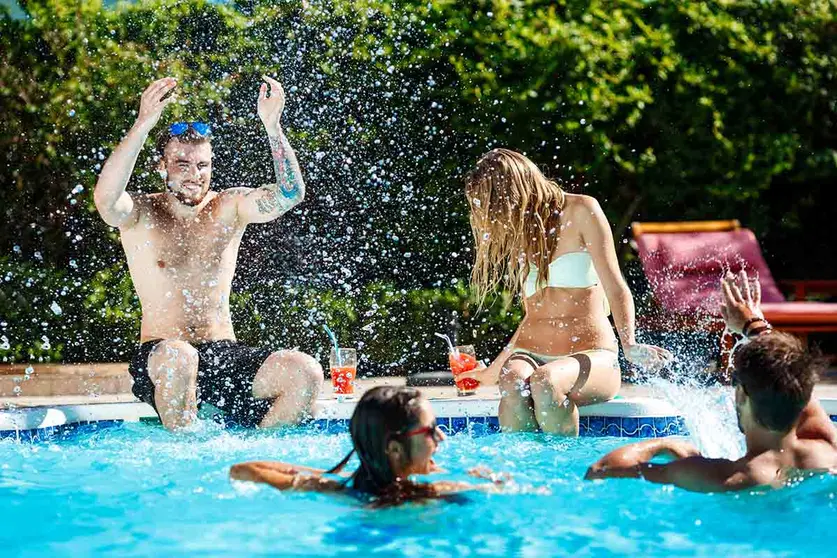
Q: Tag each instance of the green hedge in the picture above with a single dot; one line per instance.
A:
(54, 315)
(393, 328)
(661, 109)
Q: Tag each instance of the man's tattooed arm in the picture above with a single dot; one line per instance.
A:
(289, 188)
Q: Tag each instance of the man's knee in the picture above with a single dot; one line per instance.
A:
(172, 358)
(295, 367)
(308, 371)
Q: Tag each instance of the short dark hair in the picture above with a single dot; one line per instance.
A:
(165, 136)
(778, 373)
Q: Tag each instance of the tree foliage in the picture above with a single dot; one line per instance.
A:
(661, 109)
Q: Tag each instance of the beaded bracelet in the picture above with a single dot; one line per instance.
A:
(750, 322)
(759, 330)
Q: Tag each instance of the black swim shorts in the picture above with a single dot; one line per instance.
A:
(226, 370)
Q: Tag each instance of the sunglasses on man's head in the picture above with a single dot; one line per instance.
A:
(180, 128)
(431, 430)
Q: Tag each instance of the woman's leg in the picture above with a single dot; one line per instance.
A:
(516, 409)
(561, 386)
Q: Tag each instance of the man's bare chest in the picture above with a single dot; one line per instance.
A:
(184, 245)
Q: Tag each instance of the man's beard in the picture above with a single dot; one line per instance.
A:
(184, 199)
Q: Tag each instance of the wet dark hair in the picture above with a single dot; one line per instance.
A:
(189, 136)
(383, 413)
(778, 373)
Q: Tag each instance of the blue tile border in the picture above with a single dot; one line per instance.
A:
(621, 427)
(589, 426)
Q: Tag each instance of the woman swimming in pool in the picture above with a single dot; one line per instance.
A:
(557, 250)
(394, 434)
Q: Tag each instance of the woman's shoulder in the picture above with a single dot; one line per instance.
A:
(577, 204)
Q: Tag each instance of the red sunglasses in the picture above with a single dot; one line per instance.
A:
(432, 430)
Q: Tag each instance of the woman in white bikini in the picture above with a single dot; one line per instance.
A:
(557, 250)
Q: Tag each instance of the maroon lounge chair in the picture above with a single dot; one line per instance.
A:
(684, 261)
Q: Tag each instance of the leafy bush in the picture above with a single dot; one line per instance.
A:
(662, 109)
(49, 314)
(393, 328)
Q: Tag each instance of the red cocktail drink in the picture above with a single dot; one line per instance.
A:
(463, 359)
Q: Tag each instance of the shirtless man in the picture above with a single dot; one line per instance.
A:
(181, 246)
(787, 432)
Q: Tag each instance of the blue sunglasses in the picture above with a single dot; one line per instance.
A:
(180, 128)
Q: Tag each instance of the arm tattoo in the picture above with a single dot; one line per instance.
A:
(287, 191)
(285, 175)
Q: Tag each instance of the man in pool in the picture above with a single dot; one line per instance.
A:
(181, 246)
(787, 432)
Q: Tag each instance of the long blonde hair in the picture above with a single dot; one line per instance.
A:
(515, 218)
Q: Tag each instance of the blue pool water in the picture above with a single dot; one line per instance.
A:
(136, 490)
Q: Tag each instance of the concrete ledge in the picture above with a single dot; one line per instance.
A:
(34, 418)
(46, 380)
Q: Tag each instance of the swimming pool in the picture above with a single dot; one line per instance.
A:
(137, 490)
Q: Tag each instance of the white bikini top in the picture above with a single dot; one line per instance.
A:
(573, 270)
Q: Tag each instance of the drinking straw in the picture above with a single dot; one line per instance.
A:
(334, 343)
(453, 350)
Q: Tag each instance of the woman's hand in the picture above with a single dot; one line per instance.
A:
(482, 472)
(647, 356)
(742, 301)
(485, 375)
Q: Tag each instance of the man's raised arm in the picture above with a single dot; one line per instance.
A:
(265, 204)
(112, 201)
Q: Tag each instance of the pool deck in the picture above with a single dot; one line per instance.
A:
(48, 385)
(488, 393)
(42, 401)
(628, 391)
